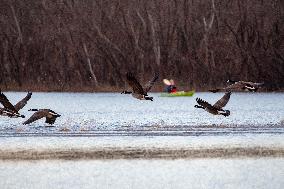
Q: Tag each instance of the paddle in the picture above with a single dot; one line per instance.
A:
(167, 82)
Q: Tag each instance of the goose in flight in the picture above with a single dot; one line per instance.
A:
(239, 85)
(217, 108)
(11, 110)
(137, 90)
(50, 116)
(9, 113)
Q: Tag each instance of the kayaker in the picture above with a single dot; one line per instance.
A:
(170, 86)
(174, 89)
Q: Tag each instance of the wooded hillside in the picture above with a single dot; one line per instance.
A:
(84, 45)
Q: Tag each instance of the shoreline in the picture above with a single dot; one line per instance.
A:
(110, 89)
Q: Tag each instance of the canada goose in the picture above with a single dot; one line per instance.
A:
(239, 85)
(9, 109)
(137, 90)
(217, 108)
(40, 113)
(9, 113)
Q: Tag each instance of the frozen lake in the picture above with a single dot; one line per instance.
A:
(116, 114)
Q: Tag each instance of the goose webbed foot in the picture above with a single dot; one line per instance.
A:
(125, 92)
(148, 98)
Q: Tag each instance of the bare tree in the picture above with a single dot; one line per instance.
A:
(69, 45)
(17, 23)
(207, 29)
(89, 64)
(155, 40)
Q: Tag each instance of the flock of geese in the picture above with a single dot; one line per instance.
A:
(137, 91)
(12, 111)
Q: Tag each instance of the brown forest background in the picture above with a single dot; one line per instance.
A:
(86, 45)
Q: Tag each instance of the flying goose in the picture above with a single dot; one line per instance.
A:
(9, 109)
(50, 116)
(239, 85)
(137, 90)
(217, 108)
(9, 113)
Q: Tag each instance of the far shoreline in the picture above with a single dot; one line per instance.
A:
(158, 89)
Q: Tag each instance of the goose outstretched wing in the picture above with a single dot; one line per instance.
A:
(150, 84)
(223, 101)
(23, 102)
(6, 103)
(36, 116)
(252, 84)
(237, 85)
(132, 81)
(243, 85)
(203, 103)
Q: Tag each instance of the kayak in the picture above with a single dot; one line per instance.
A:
(178, 94)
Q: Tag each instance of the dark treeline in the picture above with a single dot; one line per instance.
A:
(84, 45)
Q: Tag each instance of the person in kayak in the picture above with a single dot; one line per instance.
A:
(170, 86)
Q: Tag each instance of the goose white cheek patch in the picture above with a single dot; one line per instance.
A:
(250, 87)
(53, 113)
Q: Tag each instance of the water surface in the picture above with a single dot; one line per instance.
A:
(166, 143)
(263, 173)
(117, 114)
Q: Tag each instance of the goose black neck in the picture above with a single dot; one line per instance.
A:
(126, 92)
(33, 110)
(231, 81)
